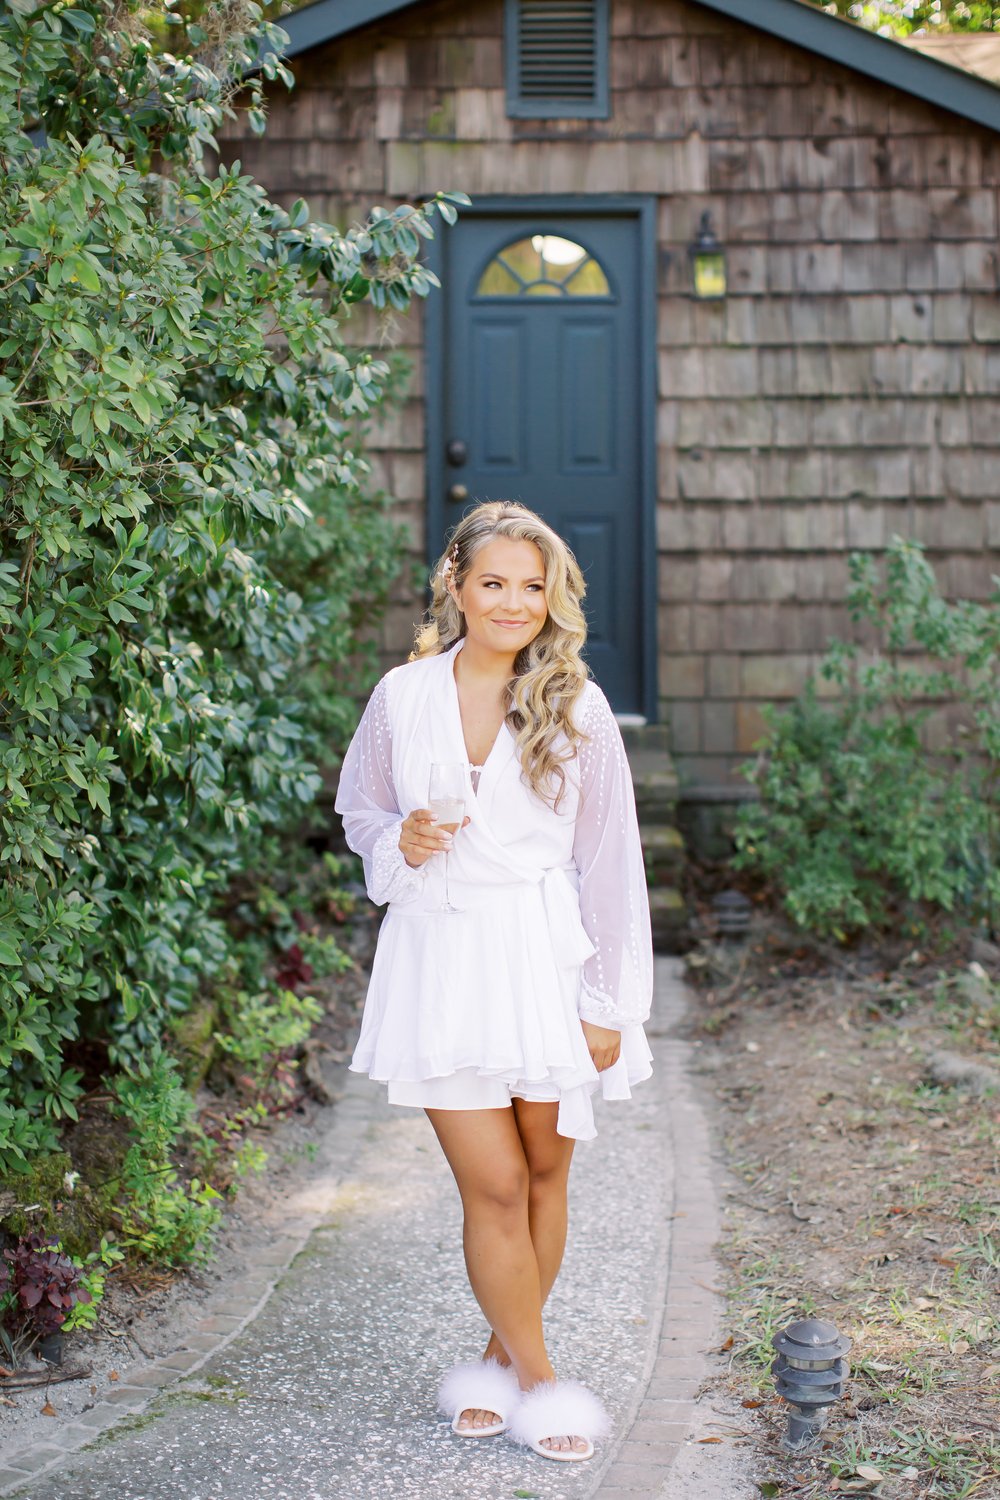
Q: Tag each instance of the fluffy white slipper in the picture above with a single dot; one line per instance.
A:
(559, 1408)
(480, 1385)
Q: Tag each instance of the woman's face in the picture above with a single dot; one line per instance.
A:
(503, 595)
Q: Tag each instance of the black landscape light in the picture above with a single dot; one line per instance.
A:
(732, 912)
(708, 262)
(810, 1372)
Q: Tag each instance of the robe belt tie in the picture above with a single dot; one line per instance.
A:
(570, 943)
(571, 946)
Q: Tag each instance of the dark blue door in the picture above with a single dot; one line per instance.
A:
(541, 403)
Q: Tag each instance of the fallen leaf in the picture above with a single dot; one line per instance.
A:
(866, 1471)
(991, 1372)
(710, 1440)
(751, 1403)
(961, 1346)
(48, 1410)
(4, 1370)
(769, 1489)
(727, 1343)
(112, 1374)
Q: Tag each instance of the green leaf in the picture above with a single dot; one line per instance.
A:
(84, 272)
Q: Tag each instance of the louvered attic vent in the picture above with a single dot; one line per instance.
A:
(557, 57)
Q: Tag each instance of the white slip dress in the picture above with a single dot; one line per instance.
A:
(463, 1011)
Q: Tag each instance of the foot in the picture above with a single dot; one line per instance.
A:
(475, 1417)
(496, 1386)
(562, 1444)
(559, 1419)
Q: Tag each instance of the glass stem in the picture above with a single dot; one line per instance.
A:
(447, 895)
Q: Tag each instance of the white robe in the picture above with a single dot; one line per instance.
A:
(554, 914)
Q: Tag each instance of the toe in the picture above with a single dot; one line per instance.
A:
(565, 1444)
(474, 1417)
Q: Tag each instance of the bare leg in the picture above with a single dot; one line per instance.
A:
(549, 1156)
(511, 1170)
(487, 1156)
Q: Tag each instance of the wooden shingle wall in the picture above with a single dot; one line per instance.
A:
(847, 388)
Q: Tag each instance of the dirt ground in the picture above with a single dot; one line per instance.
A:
(867, 1192)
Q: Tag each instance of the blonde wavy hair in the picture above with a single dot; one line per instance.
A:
(549, 673)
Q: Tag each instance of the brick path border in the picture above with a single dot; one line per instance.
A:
(685, 1305)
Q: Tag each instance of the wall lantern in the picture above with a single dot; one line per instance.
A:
(708, 262)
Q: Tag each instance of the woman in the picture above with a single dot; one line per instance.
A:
(502, 1017)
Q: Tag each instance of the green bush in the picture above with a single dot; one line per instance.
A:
(859, 825)
(188, 544)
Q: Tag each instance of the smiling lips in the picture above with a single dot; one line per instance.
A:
(511, 624)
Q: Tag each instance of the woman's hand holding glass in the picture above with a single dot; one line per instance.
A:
(420, 836)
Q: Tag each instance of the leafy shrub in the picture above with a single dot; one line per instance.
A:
(859, 824)
(176, 405)
(162, 1219)
(263, 1033)
(93, 1269)
(39, 1288)
(187, 539)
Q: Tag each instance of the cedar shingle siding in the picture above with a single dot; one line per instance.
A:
(848, 386)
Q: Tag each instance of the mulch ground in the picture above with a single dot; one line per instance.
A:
(864, 1190)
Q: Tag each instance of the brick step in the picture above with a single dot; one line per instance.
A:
(668, 917)
(663, 847)
(656, 794)
(646, 737)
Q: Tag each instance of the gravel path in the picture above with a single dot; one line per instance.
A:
(329, 1393)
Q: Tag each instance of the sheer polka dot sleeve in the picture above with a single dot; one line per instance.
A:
(618, 979)
(366, 800)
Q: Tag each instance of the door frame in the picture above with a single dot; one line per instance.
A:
(643, 210)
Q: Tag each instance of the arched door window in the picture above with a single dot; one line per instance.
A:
(543, 265)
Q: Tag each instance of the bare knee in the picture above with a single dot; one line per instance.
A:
(503, 1192)
(547, 1179)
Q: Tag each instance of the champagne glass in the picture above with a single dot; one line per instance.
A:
(446, 799)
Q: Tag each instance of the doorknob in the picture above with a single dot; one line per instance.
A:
(458, 494)
(456, 453)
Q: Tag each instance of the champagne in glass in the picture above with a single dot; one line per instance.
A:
(446, 800)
